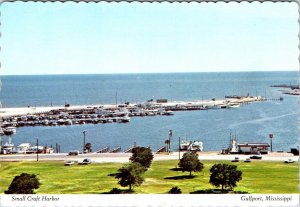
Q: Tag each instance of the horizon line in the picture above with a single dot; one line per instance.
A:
(132, 73)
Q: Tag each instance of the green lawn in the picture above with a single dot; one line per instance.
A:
(258, 177)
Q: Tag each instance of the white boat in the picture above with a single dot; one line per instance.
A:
(191, 146)
(196, 146)
(8, 147)
(233, 105)
(165, 112)
(68, 122)
(23, 118)
(184, 145)
(23, 148)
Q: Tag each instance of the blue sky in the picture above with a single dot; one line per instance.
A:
(71, 38)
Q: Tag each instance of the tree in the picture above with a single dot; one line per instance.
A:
(225, 175)
(23, 184)
(130, 175)
(142, 155)
(175, 190)
(190, 162)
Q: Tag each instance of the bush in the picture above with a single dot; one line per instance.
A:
(175, 190)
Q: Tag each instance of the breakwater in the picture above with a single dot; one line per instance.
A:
(101, 114)
(288, 89)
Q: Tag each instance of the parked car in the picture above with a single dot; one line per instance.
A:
(289, 161)
(258, 157)
(85, 162)
(73, 153)
(69, 163)
(247, 160)
(236, 159)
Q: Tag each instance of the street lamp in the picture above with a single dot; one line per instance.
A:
(83, 149)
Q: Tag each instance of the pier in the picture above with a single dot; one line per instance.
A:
(103, 114)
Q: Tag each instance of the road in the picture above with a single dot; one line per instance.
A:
(124, 157)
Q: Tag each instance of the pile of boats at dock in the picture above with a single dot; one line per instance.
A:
(24, 148)
(114, 113)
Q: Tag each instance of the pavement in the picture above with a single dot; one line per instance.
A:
(124, 157)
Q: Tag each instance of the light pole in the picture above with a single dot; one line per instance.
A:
(179, 148)
(271, 137)
(37, 149)
(83, 149)
(170, 135)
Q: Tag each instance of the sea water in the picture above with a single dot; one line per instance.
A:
(250, 123)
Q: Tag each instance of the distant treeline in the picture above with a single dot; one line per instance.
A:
(286, 86)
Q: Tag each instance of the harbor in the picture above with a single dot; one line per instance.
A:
(111, 117)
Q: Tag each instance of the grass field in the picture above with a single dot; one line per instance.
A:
(258, 177)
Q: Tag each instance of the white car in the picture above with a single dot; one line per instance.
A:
(85, 162)
(289, 161)
(236, 159)
(69, 163)
(247, 160)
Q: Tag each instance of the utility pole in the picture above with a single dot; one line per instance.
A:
(37, 149)
(170, 135)
(179, 148)
(271, 138)
(116, 98)
(84, 132)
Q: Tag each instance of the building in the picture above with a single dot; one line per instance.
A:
(246, 148)
(253, 148)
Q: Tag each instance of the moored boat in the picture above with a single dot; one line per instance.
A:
(186, 145)
(9, 130)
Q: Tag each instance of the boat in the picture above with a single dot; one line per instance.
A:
(35, 149)
(9, 130)
(165, 112)
(124, 119)
(23, 148)
(233, 105)
(186, 145)
(8, 147)
(196, 146)
(68, 122)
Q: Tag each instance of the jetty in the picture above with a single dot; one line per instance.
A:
(111, 113)
(289, 89)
